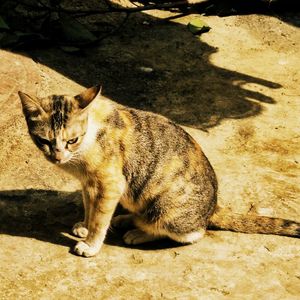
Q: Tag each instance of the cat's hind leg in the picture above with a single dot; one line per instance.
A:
(137, 236)
(187, 238)
(143, 233)
(122, 221)
(147, 232)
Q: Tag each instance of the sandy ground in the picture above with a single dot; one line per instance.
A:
(236, 89)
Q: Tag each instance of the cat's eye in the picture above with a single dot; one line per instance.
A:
(73, 141)
(42, 141)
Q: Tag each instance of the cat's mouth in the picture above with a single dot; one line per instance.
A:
(62, 161)
(58, 161)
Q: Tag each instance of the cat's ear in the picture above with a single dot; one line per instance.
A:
(86, 97)
(31, 106)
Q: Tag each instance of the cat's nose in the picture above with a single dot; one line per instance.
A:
(58, 155)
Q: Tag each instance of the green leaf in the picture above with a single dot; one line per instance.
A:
(3, 25)
(197, 26)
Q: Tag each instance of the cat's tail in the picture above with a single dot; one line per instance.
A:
(223, 219)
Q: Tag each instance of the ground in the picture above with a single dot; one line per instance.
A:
(235, 89)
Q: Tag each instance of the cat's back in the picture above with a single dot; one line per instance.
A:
(161, 149)
(156, 136)
(145, 139)
(157, 131)
(140, 127)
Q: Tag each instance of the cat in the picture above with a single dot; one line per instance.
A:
(142, 160)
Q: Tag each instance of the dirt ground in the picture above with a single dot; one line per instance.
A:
(236, 89)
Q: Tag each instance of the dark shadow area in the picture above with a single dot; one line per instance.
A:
(44, 215)
(39, 214)
(200, 96)
(286, 10)
(157, 65)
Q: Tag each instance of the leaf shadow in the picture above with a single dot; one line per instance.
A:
(183, 84)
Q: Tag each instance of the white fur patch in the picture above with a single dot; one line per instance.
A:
(90, 136)
(188, 237)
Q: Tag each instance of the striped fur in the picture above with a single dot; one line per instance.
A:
(141, 160)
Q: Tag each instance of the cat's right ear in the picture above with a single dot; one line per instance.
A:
(86, 97)
(31, 107)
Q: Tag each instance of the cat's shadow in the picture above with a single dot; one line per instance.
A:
(49, 215)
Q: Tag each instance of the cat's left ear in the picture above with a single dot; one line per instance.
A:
(31, 106)
(86, 97)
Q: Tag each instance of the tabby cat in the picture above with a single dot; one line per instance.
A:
(143, 161)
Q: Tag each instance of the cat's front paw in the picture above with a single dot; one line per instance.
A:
(80, 230)
(83, 249)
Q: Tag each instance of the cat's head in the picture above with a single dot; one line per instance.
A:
(58, 124)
